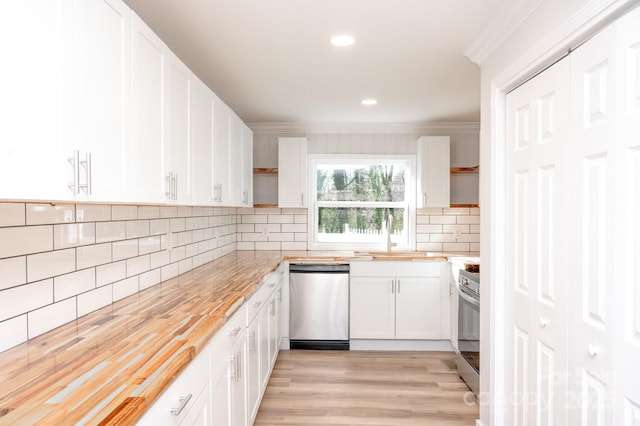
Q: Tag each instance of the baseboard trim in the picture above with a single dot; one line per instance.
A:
(400, 345)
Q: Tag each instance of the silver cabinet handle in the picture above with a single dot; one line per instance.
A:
(398, 286)
(252, 342)
(272, 285)
(256, 305)
(301, 200)
(235, 331)
(273, 308)
(239, 366)
(393, 286)
(89, 172)
(233, 368)
(183, 403)
(75, 163)
(167, 180)
(175, 186)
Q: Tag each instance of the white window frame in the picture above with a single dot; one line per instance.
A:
(410, 197)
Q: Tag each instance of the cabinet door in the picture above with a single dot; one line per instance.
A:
(275, 320)
(221, 393)
(200, 412)
(372, 308)
(418, 308)
(221, 116)
(147, 148)
(178, 140)
(254, 381)
(238, 385)
(434, 171)
(265, 359)
(247, 166)
(101, 107)
(292, 172)
(202, 144)
(235, 160)
(34, 83)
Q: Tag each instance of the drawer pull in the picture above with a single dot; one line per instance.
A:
(183, 403)
(272, 285)
(235, 331)
(256, 305)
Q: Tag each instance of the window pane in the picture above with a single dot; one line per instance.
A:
(376, 182)
(357, 224)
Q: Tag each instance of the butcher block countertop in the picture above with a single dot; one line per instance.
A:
(109, 366)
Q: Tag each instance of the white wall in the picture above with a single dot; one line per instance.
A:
(548, 33)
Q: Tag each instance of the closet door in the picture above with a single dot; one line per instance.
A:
(537, 163)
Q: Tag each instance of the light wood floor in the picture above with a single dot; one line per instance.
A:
(366, 388)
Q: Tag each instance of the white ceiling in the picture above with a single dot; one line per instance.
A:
(271, 60)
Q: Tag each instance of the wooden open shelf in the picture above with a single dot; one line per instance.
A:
(265, 206)
(457, 170)
(265, 171)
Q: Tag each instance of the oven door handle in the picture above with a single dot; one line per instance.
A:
(468, 298)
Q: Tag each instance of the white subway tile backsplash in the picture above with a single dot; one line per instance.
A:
(270, 210)
(283, 218)
(252, 236)
(298, 227)
(246, 245)
(268, 246)
(93, 213)
(168, 211)
(430, 211)
(44, 214)
(45, 319)
(283, 236)
(300, 218)
(73, 235)
(191, 250)
(158, 226)
(443, 220)
(294, 211)
(13, 272)
(463, 247)
(185, 265)
(12, 214)
(474, 247)
(475, 211)
(432, 247)
(300, 236)
(246, 227)
(124, 249)
(124, 212)
(94, 300)
(185, 211)
(69, 285)
(178, 253)
(13, 332)
(159, 259)
(254, 218)
(110, 273)
(475, 228)
(149, 244)
(184, 238)
(149, 279)
(50, 264)
(19, 300)
(450, 229)
(148, 212)
(17, 241)
(169, 271)
(267, 227)
(178, 224)
(192, 223)
(294, 246)
(124, 288)
(88, 256)
(455, 211)
(110, 231)
(422, 219)
(428, 229)
(469, 219)
(138, 265)
(137, 228)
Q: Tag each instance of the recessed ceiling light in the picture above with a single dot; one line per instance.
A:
(369, 102)
(342, 40)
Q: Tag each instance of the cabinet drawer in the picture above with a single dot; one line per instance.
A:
(402, 268)
(229, 334)
(176, 401)
(256, 302)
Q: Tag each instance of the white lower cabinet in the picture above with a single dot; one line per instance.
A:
(186, 401)
(397, 300)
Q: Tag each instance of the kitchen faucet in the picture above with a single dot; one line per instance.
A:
(389, 231)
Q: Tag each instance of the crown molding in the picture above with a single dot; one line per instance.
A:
(309, 128)
(506, 21)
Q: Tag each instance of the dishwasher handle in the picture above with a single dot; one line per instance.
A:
(308, 268)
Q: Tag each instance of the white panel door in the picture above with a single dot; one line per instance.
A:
(178, 137)
(35, 81)
(627, 220)
(537, 165)
(148, 55)
(202, 104)
(593, 127)
(102, 103)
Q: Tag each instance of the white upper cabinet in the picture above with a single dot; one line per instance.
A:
(34, 72)
(149, 56)
(433, 171)
(202, 154)
(177, 157)
(101, 115)
(221, 115)
(247, 166)
(235, 160)
(292, 172)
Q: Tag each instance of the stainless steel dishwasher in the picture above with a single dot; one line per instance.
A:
(319, 306)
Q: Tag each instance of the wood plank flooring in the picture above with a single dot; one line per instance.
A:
(366, 388)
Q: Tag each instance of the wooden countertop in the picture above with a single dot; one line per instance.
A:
(109, 367)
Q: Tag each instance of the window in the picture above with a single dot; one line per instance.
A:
(353, 197)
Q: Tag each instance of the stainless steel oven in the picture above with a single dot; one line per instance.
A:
(469, 329)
